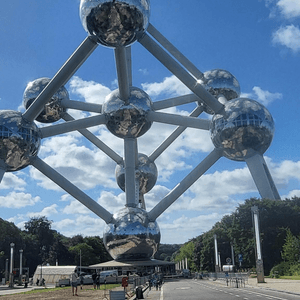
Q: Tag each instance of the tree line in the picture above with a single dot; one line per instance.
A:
(280, 238)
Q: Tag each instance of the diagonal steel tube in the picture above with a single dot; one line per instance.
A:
(175, 52)
(72, 190)
(174, 135)
(61, 77)
(2, 172)
(181, 73)
(171, 102)
(185, 184)
(72, 126)
(98, 143)
(130, 154)
(178, 120)
(262, 177)
(85, 106)
(122, 73)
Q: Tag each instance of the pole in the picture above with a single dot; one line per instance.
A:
(21, 266)
(216, 254)
(80, 262)
(258, 252)
(6, 270)
(11, 274)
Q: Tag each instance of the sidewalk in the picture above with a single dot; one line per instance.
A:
(6, 290)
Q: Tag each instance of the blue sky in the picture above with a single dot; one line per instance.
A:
(258, 41)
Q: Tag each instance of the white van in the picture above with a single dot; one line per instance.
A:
(113, 273)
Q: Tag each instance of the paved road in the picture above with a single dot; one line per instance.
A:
(190, 289)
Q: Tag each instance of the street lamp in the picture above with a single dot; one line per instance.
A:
(21, 265)
(11, 274)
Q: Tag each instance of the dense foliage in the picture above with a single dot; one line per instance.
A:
(280, 230)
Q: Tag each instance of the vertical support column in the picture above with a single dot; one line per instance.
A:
(11, 268)
(258, 252)
(232, 254)
(21, 266)
(6, 271)
(216, 254)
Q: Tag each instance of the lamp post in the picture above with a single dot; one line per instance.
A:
(21, 266)
(258, 252)
(216, 255)
(11, 274)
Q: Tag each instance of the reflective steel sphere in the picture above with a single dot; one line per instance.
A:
(115, 23)
(53, 110)
(127, 119)
(220, 82)
(19, 140)
(246, 127)
(146, 173)
(133, 236)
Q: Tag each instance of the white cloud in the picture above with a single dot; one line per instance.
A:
(171, 86)
(46, 211)
(288, 36)
(18, 200)
(91, 91)
(11, 180)
(262, 96)
(289, 8)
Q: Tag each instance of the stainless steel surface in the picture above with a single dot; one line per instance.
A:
(53, 110)
(132, 236)
(74, 62)
(247, 127)
(220, 82)
(19, 141)
(145, 173)
(115, 23)
(128, 119)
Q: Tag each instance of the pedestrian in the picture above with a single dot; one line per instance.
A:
(98, 281)
(81, 281)
(74, 278)
(94, 277)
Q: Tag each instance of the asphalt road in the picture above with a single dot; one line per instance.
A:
(189, 289)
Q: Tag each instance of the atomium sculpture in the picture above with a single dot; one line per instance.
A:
(241, 129)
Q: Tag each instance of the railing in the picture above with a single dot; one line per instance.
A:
(231, 279)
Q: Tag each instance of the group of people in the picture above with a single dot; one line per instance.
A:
(156, 282)
(96, 280)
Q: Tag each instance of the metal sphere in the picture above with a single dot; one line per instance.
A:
(146, 174)
(127, 119)
(53, 110)
(19, 140)
(247, 127)
(219, 82)
(115, 23)
(133, 236)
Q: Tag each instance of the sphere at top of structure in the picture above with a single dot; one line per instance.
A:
(53, 110)
(246, 128)
(128, 119)
(133, 236)
(220, 82)
(19, 140)
(146, 174)
(115, 23)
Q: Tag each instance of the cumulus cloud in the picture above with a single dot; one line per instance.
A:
(288, 36)
(46, 211)
(18, 200)
(262, 96)
(91, 91)
(11, 180)
(170, 86)
(289, 8)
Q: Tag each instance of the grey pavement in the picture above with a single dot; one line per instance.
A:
(6, 290)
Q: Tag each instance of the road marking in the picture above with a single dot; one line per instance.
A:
(162, 293)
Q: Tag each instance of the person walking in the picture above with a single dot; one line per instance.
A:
(74, 278)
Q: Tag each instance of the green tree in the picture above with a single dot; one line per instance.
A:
(187, 251)
(291, 248)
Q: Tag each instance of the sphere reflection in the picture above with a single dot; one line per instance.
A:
(19, 140)
(115, 23)
(146, 173)
(128, 119)
(53, 110)
(220, 82)
(246, 128)
(133, 236)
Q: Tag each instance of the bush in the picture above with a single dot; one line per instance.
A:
(294, 270)
(280, 270)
